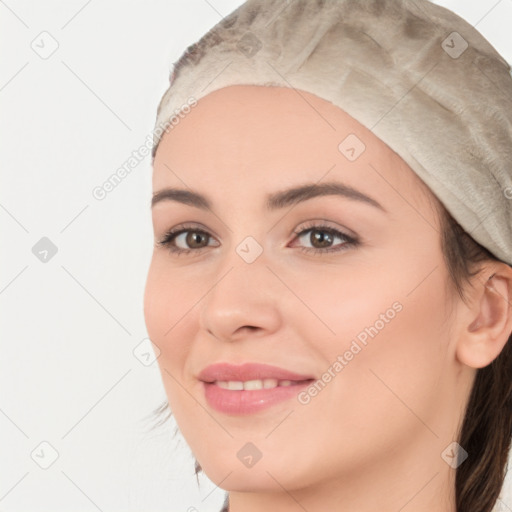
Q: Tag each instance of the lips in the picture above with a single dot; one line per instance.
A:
(249, 388)
(249, 371)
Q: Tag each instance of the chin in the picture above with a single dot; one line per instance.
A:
(267, 474)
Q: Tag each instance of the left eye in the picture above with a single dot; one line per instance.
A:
(191, 238)
(321, 239)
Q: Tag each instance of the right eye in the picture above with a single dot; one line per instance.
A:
(185, 239)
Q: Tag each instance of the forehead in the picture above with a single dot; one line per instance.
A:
(275, 137)
(256, 115)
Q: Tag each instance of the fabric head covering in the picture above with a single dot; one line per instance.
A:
(418, 76)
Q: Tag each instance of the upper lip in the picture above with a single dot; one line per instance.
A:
(248, 371)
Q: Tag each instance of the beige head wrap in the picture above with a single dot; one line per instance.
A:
(419, 77)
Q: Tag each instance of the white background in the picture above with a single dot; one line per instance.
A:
(68, 375)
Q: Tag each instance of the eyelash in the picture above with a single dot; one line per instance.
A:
(349, 241)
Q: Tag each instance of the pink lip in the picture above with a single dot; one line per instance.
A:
(248, 371)
(248, 401)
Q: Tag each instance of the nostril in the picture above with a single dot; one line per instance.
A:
(250, 327)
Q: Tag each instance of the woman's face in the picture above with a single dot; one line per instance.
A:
(279, 284)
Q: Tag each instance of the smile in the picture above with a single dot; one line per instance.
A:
(249, 397)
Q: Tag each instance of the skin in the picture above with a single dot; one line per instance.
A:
(372, 438)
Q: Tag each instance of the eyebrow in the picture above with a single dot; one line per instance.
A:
(274, 201)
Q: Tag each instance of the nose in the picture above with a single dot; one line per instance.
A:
(243, 300)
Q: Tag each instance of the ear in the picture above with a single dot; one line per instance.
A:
(488, 322)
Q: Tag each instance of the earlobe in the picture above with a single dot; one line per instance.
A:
(491, 320)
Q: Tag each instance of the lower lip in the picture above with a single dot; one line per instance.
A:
(251, 401)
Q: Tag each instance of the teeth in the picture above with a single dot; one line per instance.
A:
(268, 383)
(236, 385)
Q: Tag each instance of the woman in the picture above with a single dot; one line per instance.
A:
(331, 282)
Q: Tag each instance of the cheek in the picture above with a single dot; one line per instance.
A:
(155, 303)
(389, 326)
(168, 302)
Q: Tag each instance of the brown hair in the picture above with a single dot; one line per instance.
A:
(486, 431)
